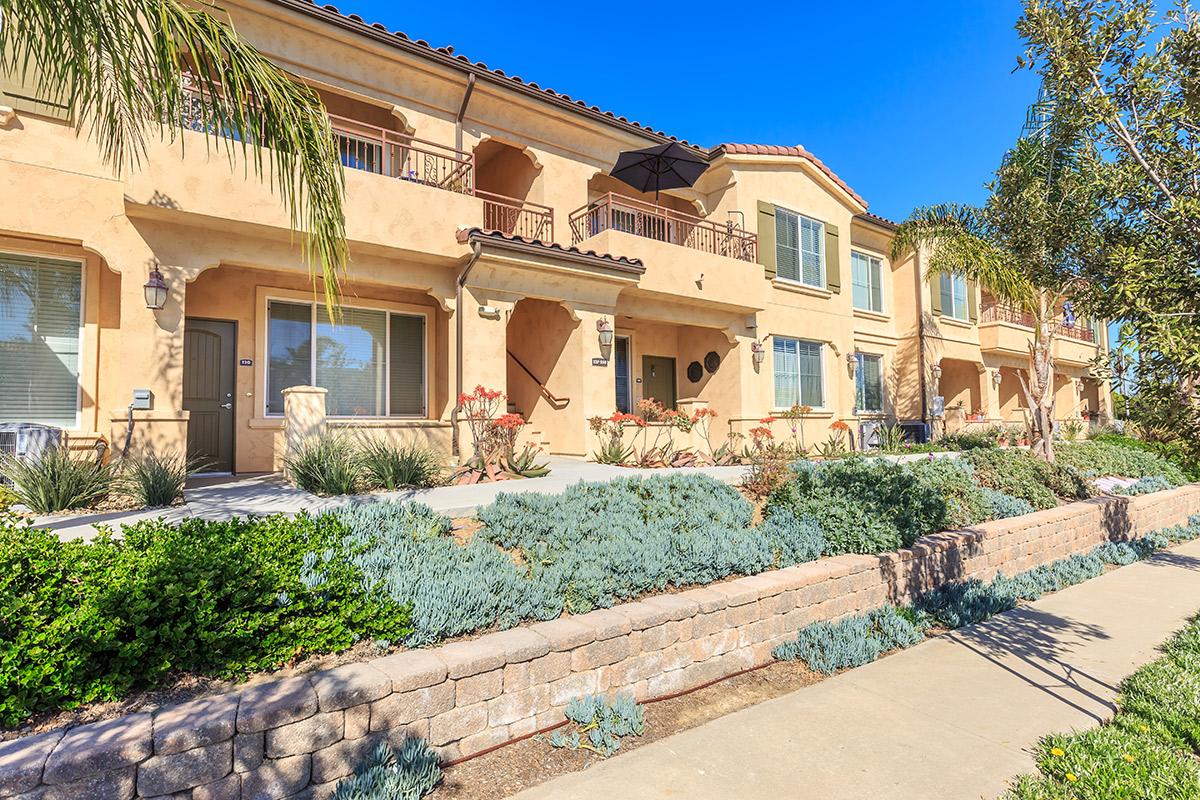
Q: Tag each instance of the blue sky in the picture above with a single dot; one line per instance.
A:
(910, 102)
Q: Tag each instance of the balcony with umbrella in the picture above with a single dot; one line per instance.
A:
(649, 172)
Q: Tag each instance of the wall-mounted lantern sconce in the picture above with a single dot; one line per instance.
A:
(605, 330)
(996, 377)
(757, 353)
(936, 372)
(852, 363)
(155, 290)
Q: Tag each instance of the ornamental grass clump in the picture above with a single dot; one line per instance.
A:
(326, 465)
(409, 772)
(827, 647)
(156, 480)
(599, 725)
(390, 466)
(58, 480)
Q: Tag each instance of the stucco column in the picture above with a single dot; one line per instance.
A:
(597, 381)
(303, 416)
(484, 350)
(989, 392)
(151, 357)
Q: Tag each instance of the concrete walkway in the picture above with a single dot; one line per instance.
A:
(223, 498)
(953, 717)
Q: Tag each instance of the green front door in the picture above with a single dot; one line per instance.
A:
(658, 379)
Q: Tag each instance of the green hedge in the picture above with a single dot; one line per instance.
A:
(1019, 473)
(84, 622)
(1121, 458)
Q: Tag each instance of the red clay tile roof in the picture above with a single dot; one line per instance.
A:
(878, 220)
(447, 56)
(354, 22)
(621, 262)
(784, 150)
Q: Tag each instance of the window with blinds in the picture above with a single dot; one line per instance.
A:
(869, 384)
(868, 282)
(370, 361)
(799, 378)
(799, 248)
(41, 300)
(953, 288)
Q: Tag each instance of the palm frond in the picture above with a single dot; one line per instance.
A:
(119, 66)
(956, 240)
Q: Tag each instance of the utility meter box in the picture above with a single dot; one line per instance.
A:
(142, 399)
(939, 407)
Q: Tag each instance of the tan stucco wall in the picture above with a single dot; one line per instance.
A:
(222, 238)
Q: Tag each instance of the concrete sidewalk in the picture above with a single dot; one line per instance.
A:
(223, 498)
(953, 717)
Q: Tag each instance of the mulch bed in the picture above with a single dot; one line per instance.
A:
(516, 767)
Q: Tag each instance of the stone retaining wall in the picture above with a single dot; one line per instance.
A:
(296, 737)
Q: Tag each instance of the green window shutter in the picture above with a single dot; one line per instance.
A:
(24, 94)
(972, 302)
(833, 269)
(935, 292)
(766, 238)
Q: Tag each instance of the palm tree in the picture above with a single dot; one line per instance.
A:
(1024, 245)
(128, 69)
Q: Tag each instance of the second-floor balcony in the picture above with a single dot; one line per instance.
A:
(618, 213)
(999, 312)
(397, 155)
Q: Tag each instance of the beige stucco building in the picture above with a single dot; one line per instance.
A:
(487, 243)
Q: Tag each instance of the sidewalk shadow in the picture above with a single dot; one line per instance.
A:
(1036, 646)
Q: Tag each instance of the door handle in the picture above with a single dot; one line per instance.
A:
(226, 405)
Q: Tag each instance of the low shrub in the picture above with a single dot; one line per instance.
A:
(862, 505)
(592, 546)
(792, 539)
(326, 465)
(827, 647)
(409, 772)
(58, 480)
(969, 440)
(1148, 749)
(965, 602)
(1154, 483)
(954, 480)
(155, 479)
(390, 466)
(1003, 506)
(90, 622)
(1020, 474)
(1104, 456)
(599, 725)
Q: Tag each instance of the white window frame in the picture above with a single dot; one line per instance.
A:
(800, 220)
(387, 356)
(953, 311)
(83, 289)
(872, 262)
(861, 357)
(820, 360)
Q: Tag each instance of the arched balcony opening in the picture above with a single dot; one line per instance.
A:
(506, 177)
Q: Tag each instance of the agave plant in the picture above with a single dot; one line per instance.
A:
(524, 464)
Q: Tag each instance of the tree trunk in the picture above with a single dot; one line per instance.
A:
(1039, 389)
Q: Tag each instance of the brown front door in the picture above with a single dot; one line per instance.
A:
(209, 349)
(658, 379)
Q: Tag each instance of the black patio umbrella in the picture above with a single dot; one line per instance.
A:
(664, 166)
